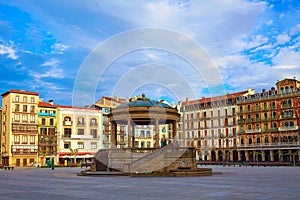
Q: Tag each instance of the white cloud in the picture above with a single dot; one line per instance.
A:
(287, 57)
(59, 48)
(9, 51)
(53, 72)
(283, 38)
(295, 30)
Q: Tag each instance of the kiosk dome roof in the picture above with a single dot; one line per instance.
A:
(143, 102)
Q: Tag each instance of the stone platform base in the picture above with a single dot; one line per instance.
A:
(172, 173)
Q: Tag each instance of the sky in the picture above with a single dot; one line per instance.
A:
(74, 52)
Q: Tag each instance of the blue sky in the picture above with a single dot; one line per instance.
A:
(44, 44)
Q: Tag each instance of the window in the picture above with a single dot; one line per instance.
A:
(249, 127)
(17, 117)
(67, 132)
(32, 108)
(32, 118)
(292, 88)
(67, 145)
(32, 139)
(67, 119)
(93, 145)
(32, 100)
(17, 98)
(43, 131)
(51, 121)
(25, 99)
(142, 144)
(43, 121)
(148, 134)
(93, 122)
(257, 127)
(286, 90)
(17, 107)
(142, 134)
(51, 131)
(80, 145)
(25, 118)
(266, 140)
(24, 108)
(94, 133)
(80, 131)
(80, 121)
(24, 139)
(17, 139)
(148, 144)
(281, 90)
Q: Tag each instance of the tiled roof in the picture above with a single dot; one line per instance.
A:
(20, 92)
(47, 105)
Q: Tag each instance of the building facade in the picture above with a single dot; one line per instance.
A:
(47, 133)
(19, 128)
(105, 104)
(79, 130)
(210, 125)
(269, 124)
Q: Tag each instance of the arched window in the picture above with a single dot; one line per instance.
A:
(250, 140)
(286, 90)
(257, 126)
(93, 122)
(257, 140)
(80, 121)
(266, 140)
(292, 88)
(249, 127)
(67, 119)
(281, 90)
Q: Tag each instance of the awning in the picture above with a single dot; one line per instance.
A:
(78, 155)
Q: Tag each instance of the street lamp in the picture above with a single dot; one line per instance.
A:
(52, 162)
(223, 138)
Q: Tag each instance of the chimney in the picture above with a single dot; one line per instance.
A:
(50, 102)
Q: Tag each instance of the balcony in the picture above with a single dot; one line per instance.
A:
(241, 121)
(81, 136)
(67, 123)
(269, 145)
(254, 131)
(270, 130)
(288, 128)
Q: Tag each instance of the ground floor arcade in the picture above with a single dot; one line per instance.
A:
(250, 155)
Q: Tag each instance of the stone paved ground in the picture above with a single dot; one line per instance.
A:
(233, 183)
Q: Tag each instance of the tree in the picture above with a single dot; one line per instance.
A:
(73, 153)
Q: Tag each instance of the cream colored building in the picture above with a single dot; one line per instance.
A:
(79, 130)
(19, 128)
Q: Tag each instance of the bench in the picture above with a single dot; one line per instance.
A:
(8, 168)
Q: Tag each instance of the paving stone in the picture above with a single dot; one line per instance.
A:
(226, 183)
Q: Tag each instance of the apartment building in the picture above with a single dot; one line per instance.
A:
(19, 138)
(105, 104)
(269, 123)
(210, 125)
(47, 133)
(79, 130)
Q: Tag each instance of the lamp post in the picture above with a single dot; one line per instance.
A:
(222, 137)
(52, 162)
